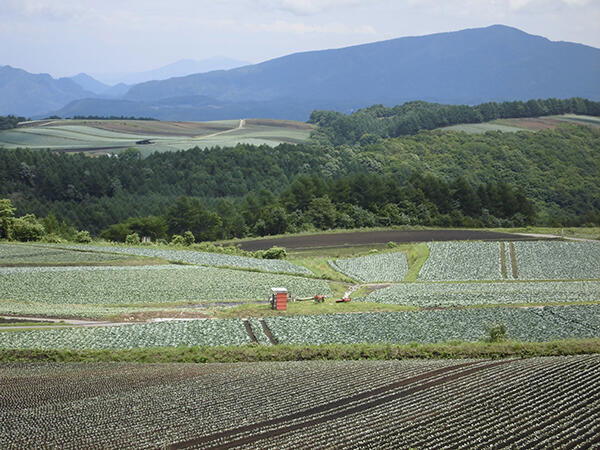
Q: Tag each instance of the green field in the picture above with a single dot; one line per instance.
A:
(112, 136)
(525, 123)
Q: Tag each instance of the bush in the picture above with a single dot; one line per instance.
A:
(177, 239)
(83, 237)
(53, 238)
(275, 253)
(26, 228)
(189, 238)
(392, 244)
(496, 333)
(132, 239)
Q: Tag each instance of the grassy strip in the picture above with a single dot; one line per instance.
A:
(257, 353)
(416, 257)
(308, 307)
(503, 261)
(513, 260)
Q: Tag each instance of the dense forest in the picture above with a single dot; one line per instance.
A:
(367, 125)
(432, 178)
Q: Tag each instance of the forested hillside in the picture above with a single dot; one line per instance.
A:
(376, 122)
(432, 178)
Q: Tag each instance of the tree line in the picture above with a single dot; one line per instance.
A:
(9, 122)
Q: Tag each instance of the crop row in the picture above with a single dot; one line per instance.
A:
(523, 324)
(317, 404)
(533, 260)
(520, 404)
(30, 254)
(145, 284)
(202, 258)
(371, 268)
(466, 294)
(88, 311)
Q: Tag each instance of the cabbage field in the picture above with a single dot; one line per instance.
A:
(201, 258)
(20, 254)
(524, 324)
(498, 293)
(371, 268)
(462, 261)
(328, 404)
(141, 285)
(533, 260)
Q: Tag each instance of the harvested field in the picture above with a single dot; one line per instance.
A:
(376, 237)
(383, 404)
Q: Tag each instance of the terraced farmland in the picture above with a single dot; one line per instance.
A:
(115, 135)
(523, 324)
(17, 254)
(383, 404)
(370, 268)
(469, 294)
(534, 260)
(145, 285)
(201, 258)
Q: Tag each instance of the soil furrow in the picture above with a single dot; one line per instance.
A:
(268, 332)
(250, 332)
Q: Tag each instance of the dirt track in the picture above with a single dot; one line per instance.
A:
(377, 237)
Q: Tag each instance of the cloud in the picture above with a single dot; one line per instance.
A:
(307, 7)
(282, 26)
(48, 10)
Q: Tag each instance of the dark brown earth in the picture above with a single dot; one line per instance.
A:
(376, 237)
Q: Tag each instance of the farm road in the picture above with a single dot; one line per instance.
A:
(239, 127)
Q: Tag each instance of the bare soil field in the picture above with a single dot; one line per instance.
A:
(376, 237)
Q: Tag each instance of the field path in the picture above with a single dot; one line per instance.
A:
(239, 127)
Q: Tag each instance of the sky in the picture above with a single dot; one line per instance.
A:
(66, 37)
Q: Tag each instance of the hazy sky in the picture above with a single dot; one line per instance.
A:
(65, 37)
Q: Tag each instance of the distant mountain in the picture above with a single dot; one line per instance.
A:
(179, 68)
(471, 66)
(26, 94)
(91, 84)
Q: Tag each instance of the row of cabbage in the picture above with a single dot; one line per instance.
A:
(32, 254)
(201, 258)
(466, 294)
(450, 404)
(204, 332)
(553, 399)
(535, 260)
(146, 284)
(523, 324)
(124, 405)
(371, 268)
(88, 311)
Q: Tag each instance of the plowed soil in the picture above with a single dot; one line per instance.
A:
(376, 237)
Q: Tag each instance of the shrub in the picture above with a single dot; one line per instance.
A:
(496, 333)
(53, 238)
(132, 239)
(177, 239)
(83, 237)
(275, 253)
(189, 238)
(26, 228)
